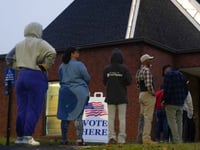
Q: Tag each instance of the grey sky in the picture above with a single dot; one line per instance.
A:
(16, 14)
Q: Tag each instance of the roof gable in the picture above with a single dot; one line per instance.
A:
(161, 21)
(88, 22)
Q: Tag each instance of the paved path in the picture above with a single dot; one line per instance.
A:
(41, 147)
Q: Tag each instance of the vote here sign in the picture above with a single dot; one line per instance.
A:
(95, 119)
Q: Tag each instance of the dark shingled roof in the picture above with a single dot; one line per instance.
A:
(161, 21)
(88, 22)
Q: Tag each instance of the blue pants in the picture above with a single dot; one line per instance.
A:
(162, 126)
(31, 87)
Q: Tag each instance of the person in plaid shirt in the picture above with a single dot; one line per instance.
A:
(144, 80)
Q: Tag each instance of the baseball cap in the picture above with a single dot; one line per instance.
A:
(145, 57)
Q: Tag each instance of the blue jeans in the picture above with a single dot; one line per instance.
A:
(161, 126)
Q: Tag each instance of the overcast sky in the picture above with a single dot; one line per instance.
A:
(16, 14)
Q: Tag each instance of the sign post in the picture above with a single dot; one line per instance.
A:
(9, 83)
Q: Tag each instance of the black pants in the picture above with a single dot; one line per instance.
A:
(188, 128)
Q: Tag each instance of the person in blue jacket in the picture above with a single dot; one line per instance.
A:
(73, 93)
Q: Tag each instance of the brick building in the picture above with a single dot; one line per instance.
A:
(158, 27)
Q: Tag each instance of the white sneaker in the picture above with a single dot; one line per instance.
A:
(30, 141)
(19, 140)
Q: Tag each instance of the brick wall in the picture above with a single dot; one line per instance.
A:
(95, 60)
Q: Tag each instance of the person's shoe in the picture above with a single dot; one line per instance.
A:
(112, 141)
(30, 141)
(64, 143)
(165, 141)
(19, 140)
(149, 142)
(121, 141)
(80, 142)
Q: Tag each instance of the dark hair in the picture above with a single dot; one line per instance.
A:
(164, 68)
(116, 57)
(67, 54)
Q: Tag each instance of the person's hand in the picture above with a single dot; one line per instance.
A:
(42, 67)
(162, 104)
(190, 115)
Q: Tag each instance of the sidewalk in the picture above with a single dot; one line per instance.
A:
(41, 147)
(45, 144)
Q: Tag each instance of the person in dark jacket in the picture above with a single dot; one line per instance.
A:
(116, 78)
(175, 92)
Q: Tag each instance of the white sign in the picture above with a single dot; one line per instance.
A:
(95, 119)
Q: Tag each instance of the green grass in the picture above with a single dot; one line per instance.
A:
(194, 146)
(129, 146)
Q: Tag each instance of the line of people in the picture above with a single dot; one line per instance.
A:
(173, 106)
(33, 56)
(162, 131)
(173, 96)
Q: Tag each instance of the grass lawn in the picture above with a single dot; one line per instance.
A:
(129, 146)
(194, 146)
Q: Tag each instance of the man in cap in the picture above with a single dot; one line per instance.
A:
(147, 99)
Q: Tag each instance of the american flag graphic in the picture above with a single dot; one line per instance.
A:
(95, 109)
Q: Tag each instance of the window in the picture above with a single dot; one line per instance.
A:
(52, 123)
